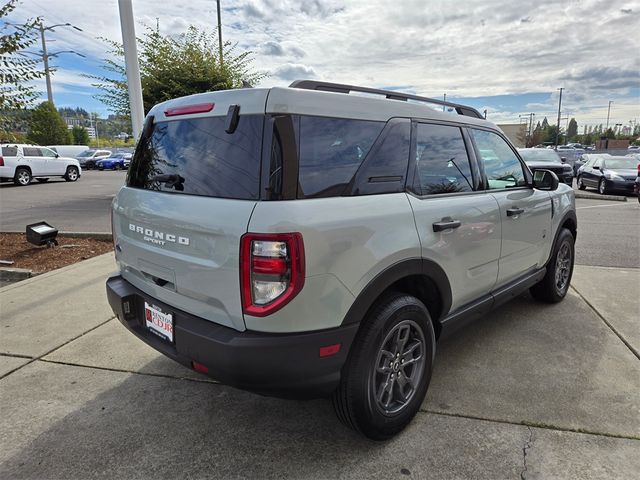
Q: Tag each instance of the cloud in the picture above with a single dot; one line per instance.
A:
(294, 71)
(279, 50)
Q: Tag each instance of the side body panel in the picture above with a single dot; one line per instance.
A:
(468, 254)
(525, 237)
(347, 241)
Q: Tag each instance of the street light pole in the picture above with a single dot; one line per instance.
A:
(608, 113)
(219, 32)
(45, 58)
(559, 107)
(132, 66)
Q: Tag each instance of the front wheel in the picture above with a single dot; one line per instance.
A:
(602, 187)
(581, 184)
(72, 174)
(389, 368)
(555, 284)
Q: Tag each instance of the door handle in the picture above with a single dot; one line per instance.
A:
(512, 212)
(446, 225)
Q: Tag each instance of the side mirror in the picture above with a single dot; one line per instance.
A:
(596, 167)
(563, 159)
(57, 156)
(545, 180)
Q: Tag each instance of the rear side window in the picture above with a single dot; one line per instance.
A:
(197, 157)
(442, 163)
(331, 150)
(9, 151)
(31, 152)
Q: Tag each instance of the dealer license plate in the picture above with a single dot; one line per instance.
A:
(159, 322)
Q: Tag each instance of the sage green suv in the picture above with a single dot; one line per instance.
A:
(309, 242)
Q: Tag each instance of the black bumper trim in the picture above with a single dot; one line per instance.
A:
(283, 365)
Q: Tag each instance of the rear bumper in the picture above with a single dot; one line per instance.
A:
(284, 365)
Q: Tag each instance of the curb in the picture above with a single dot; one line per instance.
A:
(15, 274)
(96, 235)
(597, 196)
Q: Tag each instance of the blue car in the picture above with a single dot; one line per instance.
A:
(117, 161)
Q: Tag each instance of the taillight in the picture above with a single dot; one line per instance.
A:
(638, 168)
(271, 271)
(1, 161)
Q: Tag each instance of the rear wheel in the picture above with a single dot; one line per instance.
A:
(72, 174)
(581, 184)
(555, 284)
(602, 187)
(386, 377)
(22, 177)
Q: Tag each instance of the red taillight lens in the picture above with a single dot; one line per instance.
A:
(1, 161)
(271, 271)
(188, 109)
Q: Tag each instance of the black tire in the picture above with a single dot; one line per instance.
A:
(359, 399)
(42, 180)
(22, 177)
(553, 288)
(581, 184)
(72, 174)
(602, 187)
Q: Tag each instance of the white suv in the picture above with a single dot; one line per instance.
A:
(23, 163)
(307, 242)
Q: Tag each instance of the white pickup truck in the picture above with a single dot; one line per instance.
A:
(23, 163)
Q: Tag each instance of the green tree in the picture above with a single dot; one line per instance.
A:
(609, 133)
(47, 126)
(572, 129)
(79, 135)
(173, 67)
(16, 69)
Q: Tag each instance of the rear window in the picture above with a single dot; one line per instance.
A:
(197, 157)
(331, 150)
(9, 151)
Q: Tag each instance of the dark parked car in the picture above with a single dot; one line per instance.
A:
(583, 160)
(117, 161)
(608, 173)
(546, 159)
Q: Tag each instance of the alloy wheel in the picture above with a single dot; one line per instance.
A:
(398, 369)
(23, 177)
(563, 267)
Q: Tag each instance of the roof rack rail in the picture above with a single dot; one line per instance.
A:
(341, 88)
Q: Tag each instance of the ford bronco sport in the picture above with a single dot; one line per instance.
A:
(308, 241)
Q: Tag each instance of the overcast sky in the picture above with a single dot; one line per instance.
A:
(506, 56)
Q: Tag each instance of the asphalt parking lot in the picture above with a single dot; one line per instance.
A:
(530, 391)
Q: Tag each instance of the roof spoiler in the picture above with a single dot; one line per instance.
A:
(342, 88)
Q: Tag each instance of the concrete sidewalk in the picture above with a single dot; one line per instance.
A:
(531, 391)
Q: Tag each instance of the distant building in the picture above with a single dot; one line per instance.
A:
(90, 130)
(516, 132)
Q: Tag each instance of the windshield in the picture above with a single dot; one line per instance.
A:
(621, 162)
(87, 153)
(539, 155)
(198, 157)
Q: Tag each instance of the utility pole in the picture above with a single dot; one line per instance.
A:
(531, 115)
(608, 113)
(444, 99)
(127, 26)
(559, 107)
(219, 32)
(46, 55)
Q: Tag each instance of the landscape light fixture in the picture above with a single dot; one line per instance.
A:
(42, 233)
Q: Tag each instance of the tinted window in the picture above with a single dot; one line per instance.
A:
(385, 167)
(45, 152)
(31, 152)
(10, 151)
(442, 164)
(501, 165)
(331, 150)
(197, 157)
(621, 162)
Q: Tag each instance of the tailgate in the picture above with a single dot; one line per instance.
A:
(183, 250)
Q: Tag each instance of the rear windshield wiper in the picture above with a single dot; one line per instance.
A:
(170, 180)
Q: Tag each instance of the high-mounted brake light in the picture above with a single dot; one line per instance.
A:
(271, 271)
(188, 109)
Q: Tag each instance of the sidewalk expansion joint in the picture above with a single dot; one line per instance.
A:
(608, 324)
(15, 355)
(122, 370)
(33, 359)
(525, 449)
(525, 423)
